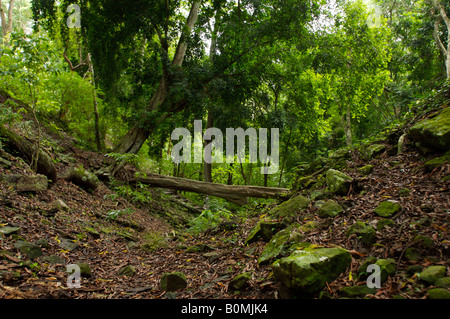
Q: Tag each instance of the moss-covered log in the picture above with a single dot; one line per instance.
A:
(27, 150)
(234, 193)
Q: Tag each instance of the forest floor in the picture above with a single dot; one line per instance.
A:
(82, 233)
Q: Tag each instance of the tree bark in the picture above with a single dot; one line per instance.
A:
(6, 22)
(233, 193)
(28, 151)
(348, 127)
(445, 50)
(207, 167)
(136, 136)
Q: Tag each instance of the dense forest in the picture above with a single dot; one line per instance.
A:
(224, 149)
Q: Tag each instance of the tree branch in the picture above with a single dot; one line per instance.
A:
(436, 36)
(72, 68)
(182, 44)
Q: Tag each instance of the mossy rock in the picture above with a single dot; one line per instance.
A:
(424, 241)
(404, 192)
(254, 234)
(54, 259)
(438, 293)
(432, 273)
(387, 268)
(443, 282)
(365, 233)
(199, 248)
(291, 207)
(27, 183)
(338, 182)
(433, 132)
(357, 291)
(81, 177)
(412, 254)
(309, 270)
(365, 170)
(128, 270)
(9, 230)
(383, 223)
(414, 269)
(330, 209)
(85, 270)
(278, 242)
(173, 281)
(387, 208)
(373, 150)
(28, 249)
(436, 162)
(240, 281)
(344, 152)
(264, 229)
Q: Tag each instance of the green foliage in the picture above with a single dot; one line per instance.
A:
(154, 241)
(211, 217)
(114, 214)
(140, 194)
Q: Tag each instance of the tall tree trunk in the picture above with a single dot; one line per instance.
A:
(6, 21)
(136, 136)
(230, 176)
(98, 140)
(348, 127)
(207, 167)
(286, 148)
(442, 16)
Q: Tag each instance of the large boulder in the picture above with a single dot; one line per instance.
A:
(308, 271)
(433, 132)
(338, 182)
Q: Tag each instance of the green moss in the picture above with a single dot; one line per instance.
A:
(439, 293)
(436, 162)
(373, 150)
(365, 170)
(240, 281)
(309, 270)
(338, 182)
(364, 232)
(424, 241)
(433, 132)
(357, 291)
(443, 282)
(330, 209)
(432, 274)
(278, 243)
(404, 192)
(291, 207)
(383, 223)
(387, 208)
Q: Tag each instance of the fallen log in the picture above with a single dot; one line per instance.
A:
(237, 194)
(27, 151)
